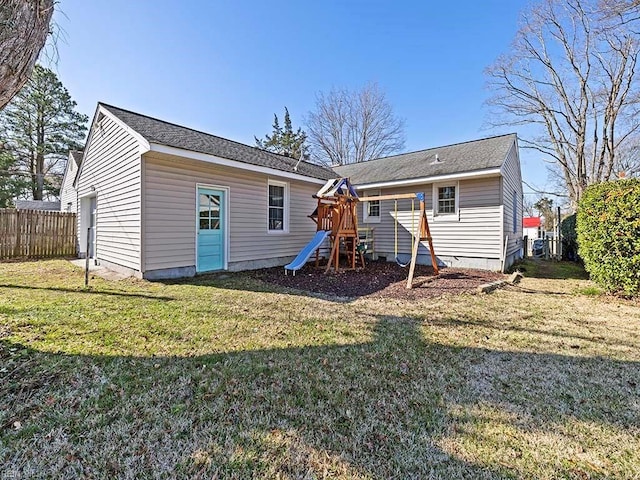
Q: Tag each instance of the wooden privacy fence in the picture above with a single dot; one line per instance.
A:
(37, 234)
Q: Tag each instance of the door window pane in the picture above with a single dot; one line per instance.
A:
(209, 211)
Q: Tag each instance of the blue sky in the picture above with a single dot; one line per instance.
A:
(226, 67)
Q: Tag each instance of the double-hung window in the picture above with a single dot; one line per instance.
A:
(446, 200)
(372, 208)
(278, 208)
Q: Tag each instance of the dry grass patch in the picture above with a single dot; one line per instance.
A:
(234, 378)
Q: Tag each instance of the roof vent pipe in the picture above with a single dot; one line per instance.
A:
(436, 160)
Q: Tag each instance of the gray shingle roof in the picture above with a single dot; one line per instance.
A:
(169, 134)
(457, 158)
(77, 156)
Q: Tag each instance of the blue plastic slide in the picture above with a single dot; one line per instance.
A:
(307, 251)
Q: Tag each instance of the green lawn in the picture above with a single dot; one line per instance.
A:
(231, 378)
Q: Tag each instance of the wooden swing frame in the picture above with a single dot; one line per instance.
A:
(424, 233)
(337, 213)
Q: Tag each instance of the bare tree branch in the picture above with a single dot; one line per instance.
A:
(571, 72)
(545, 192)
(351, 127)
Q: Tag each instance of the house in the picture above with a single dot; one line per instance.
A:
(37, 205)
(160, 200)
(532, 227)
(68, 193)
(473, 193)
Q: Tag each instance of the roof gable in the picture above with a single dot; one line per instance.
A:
(476, 155)
(76, 155)
(176, 136)
(75, 158)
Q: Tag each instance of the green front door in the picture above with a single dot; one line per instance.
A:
(210, 230)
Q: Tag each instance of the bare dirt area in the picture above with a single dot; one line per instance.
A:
(379, 279)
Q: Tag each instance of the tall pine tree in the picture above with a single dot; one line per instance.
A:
(11, 184)
(285, 141)
(37, 130)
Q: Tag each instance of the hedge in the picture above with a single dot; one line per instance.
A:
(569, 238)
(608, 228)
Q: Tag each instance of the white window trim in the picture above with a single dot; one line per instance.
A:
(365, 208)
(446, 217)
(285, 215)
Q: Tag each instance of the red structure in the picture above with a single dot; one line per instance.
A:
(531, 222)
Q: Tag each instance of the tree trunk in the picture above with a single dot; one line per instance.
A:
(40, 147)
(24, 27)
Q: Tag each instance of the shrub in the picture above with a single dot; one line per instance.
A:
(569, 238)
(608, 228)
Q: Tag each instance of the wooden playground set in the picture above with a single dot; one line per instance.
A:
(336, 218)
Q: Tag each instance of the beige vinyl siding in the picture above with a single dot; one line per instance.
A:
(111, 166)
(170, 212)
(512, 181)
(68, 194)
(474, 232)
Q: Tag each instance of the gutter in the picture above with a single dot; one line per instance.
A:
(490, 172)
(207, 157)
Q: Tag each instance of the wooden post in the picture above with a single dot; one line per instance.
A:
(338, 210)
(546, 247)
(559, 236)
(504, 253)
(16, 250)
(427, 236)
(414, 256)
(424, 234)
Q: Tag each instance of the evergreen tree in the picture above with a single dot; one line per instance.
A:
(37, 130)
(11, 185)
(285, 142)
(546, 210)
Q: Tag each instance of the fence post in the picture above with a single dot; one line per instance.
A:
(559, 248)
(546, 247)
(16, 248)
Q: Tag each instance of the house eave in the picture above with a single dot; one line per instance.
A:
(489, 172)
(206, 157)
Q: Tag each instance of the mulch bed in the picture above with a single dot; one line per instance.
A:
(379, 279)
